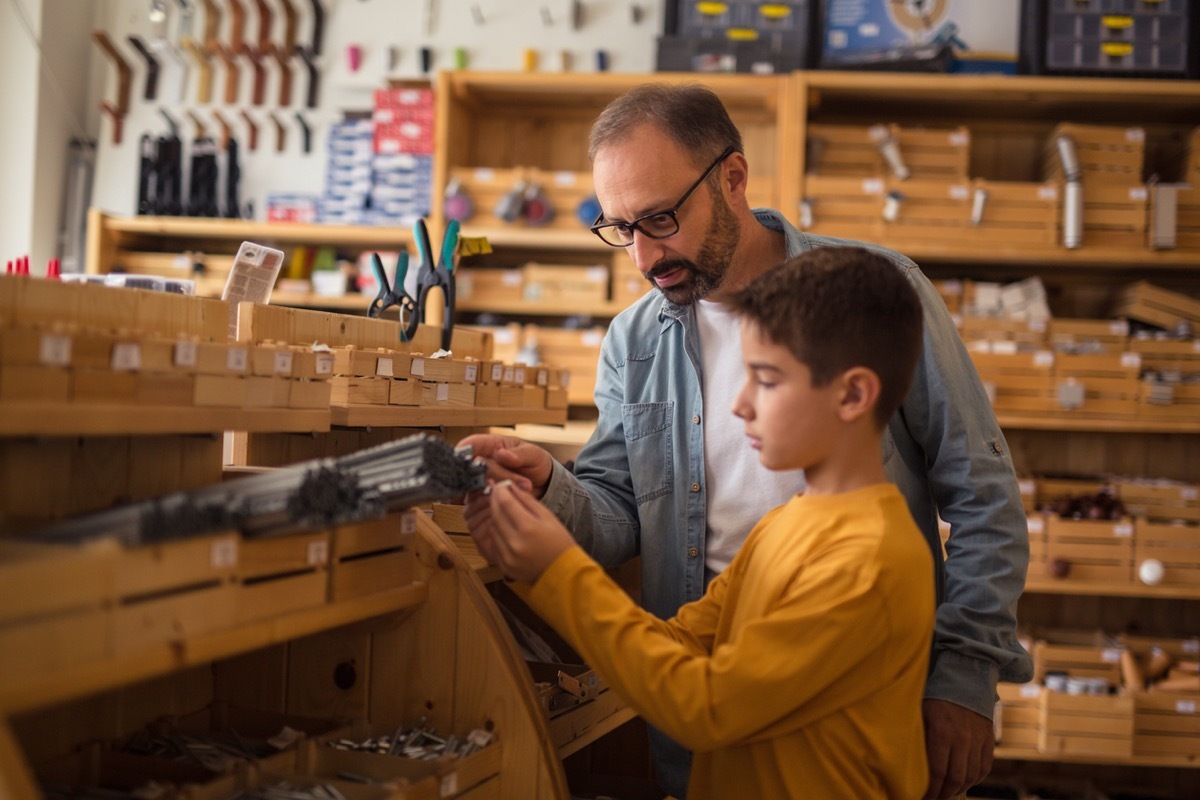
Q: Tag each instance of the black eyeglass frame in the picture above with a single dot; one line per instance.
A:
(598, 226)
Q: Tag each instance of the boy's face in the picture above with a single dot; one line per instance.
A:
(791, 424)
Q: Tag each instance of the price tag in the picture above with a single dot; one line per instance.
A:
(283, 362)
(383, 368)
(236, 359)
(471, 372)
(564, 379)
(1188, 493)
(497, 373)
(1036, 524)
(959, 138)
(408, 523)
(485, 175)
(593, 338)
(1043, 358)
(872, 186)
(1118, 327)
(126, 357)
(223, 553)
(324, 365)
(1124, 529)
(1047, 193)
(54, 349)
(564, 178)
(318, 553)
(1110, 655)
(543, 377)
(449, 786)
(1191, 646)
(1030, 690)
(1185, 706)
(508, 374)
(1137, 194)
(519, 375)
(418, 367)
(443, 392)
(185, 354)
(1135, 135)
(1132, 360)
(958, 192)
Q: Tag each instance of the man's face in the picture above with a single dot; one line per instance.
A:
(648, 172)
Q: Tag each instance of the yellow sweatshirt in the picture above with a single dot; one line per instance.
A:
(801, 670)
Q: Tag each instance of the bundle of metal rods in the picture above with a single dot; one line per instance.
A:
(312, 494)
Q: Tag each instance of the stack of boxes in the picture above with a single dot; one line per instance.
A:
(348, 176)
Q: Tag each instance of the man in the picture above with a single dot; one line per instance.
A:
(665, 474)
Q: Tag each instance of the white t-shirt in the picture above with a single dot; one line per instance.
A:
(738, 488)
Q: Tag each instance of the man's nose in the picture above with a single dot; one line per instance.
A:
(646, 251)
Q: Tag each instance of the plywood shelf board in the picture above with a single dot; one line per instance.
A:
(67, 419)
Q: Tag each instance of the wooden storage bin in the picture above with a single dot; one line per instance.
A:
(1051, 489)
(1018, 382)
(377, 362)
(438, 778)
(1015, 214)
(282, 574)
(1167, 355)
(490, 287)
(1112, 335)
(1166, 724)
(568, 284)
(1022, 334)
(1114, 215)
(352, 390)
(1187, 215)
(1076, 660)
(1106, 153)
(1175, 546)
(346, 789)
(443, 370)
(1109, 382)
(1086, 725)
(1159, 499)
(929, 212)
(100, 770)
(1018, 712)
(370, 557)
(845, 207)
(1154, 305)
(564, 190)
(1095, 552)
(853, 151)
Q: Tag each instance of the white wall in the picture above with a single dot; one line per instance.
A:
(18, 126)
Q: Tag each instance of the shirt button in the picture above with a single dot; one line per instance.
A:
(693, 552)
(695, 487)
(695, 419)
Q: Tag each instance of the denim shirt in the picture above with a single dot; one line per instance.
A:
(638, 486)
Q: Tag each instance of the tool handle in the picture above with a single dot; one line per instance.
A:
(449, 245)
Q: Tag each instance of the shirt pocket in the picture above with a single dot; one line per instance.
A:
(648, 443)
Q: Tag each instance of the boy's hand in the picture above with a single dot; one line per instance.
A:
(513, 459)
(521, 536)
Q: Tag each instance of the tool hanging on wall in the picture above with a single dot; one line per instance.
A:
(536, 207)
(233, 175)
(457, 204)
(430, 16)
(237, 27)
(313, 75)
(202, 179)
(601, 61)
(508, 207)
(280, 133)
(258, 89)
(147, 166)
(305, 133)
(233, 73)
(212, 22)
(251, 131)
(426, 60)
(266, 19)
(203, 63)
(289, 26)
(353, 57)
(285, 77)
(225, 128)
(187, 13)
(151, 90)
(124, 71)
(168, 170)
(477, 14)
(318, 26)
(118, 120)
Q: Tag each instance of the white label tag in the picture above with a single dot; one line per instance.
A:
(443, 392)
(126, 357)
(1118, 327)
(543, 377)
(1110, 655)
(959, 192)
(324, 365)
(1185, 706)
(1047, 193)
(471, 372)
(511, 279)
(564, 379)
(283, 362)
(564, 178)
(318, 553)
(1030, 690)
(1036, 524)
(408, 523)
(1188, 493)
(484, 174)
(1026, 486)
(54, 349)
(1137, 193)
(236, 359)
(497, 373)
(418, 367)
(1124, 529)
(185, 354)
(593, 338)
(872, 186)
(1133, 360)
(223, 553)
(1043, 358)
(508, 374)
(449, 786)
(383, 368)
(1135, 135)
(519, 375)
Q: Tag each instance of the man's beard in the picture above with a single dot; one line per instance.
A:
(706, 273)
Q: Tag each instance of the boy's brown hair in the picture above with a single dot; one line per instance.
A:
(840, 307)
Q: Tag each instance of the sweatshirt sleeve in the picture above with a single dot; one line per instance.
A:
(738, 692)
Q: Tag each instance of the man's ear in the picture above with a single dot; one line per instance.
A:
(860, 393)
(734, 175)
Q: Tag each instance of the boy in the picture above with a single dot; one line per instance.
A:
(800, 671)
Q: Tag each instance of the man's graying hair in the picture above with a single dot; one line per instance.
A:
(690, 114)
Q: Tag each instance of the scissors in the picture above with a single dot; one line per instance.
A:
(431, 276)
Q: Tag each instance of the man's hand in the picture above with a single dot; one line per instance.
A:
(513, 459)
(959, 745)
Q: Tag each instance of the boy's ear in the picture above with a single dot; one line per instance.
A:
(860, 393)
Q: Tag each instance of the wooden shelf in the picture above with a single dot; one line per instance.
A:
(1023, 754)
(82, 679)
(548, 309)
(67, 419)
(1039, 585)
(263, 232)
(1099, 425)
(1063, 260)
(539, 238)
(363, 416)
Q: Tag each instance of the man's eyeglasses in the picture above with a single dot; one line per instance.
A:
(657, 224)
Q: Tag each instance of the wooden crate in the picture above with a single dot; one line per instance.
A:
(490, 286)
(1115, 215)
(97, 770)
(1187, 215)
(346, 390)
(1106, 153)
(379, 362)
(1175, 546)
(1017, 382)
(1076, 661)
(847, 207)
(564, 190)
(1166, 724)
(853, 151)
(559, 283)
(1159, 499)
(1016, 214)
(1018, 712)
(930, 211)
(370, 557)
(1111, 335)
(443, 370)
(1021, 333)
(282, 574)
(451, 395)
(1096, 552)
(1086, 725)
(1153, 305)
(1109, 382)
(1167, 355)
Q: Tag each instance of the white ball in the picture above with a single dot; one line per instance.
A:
(1151, 572)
